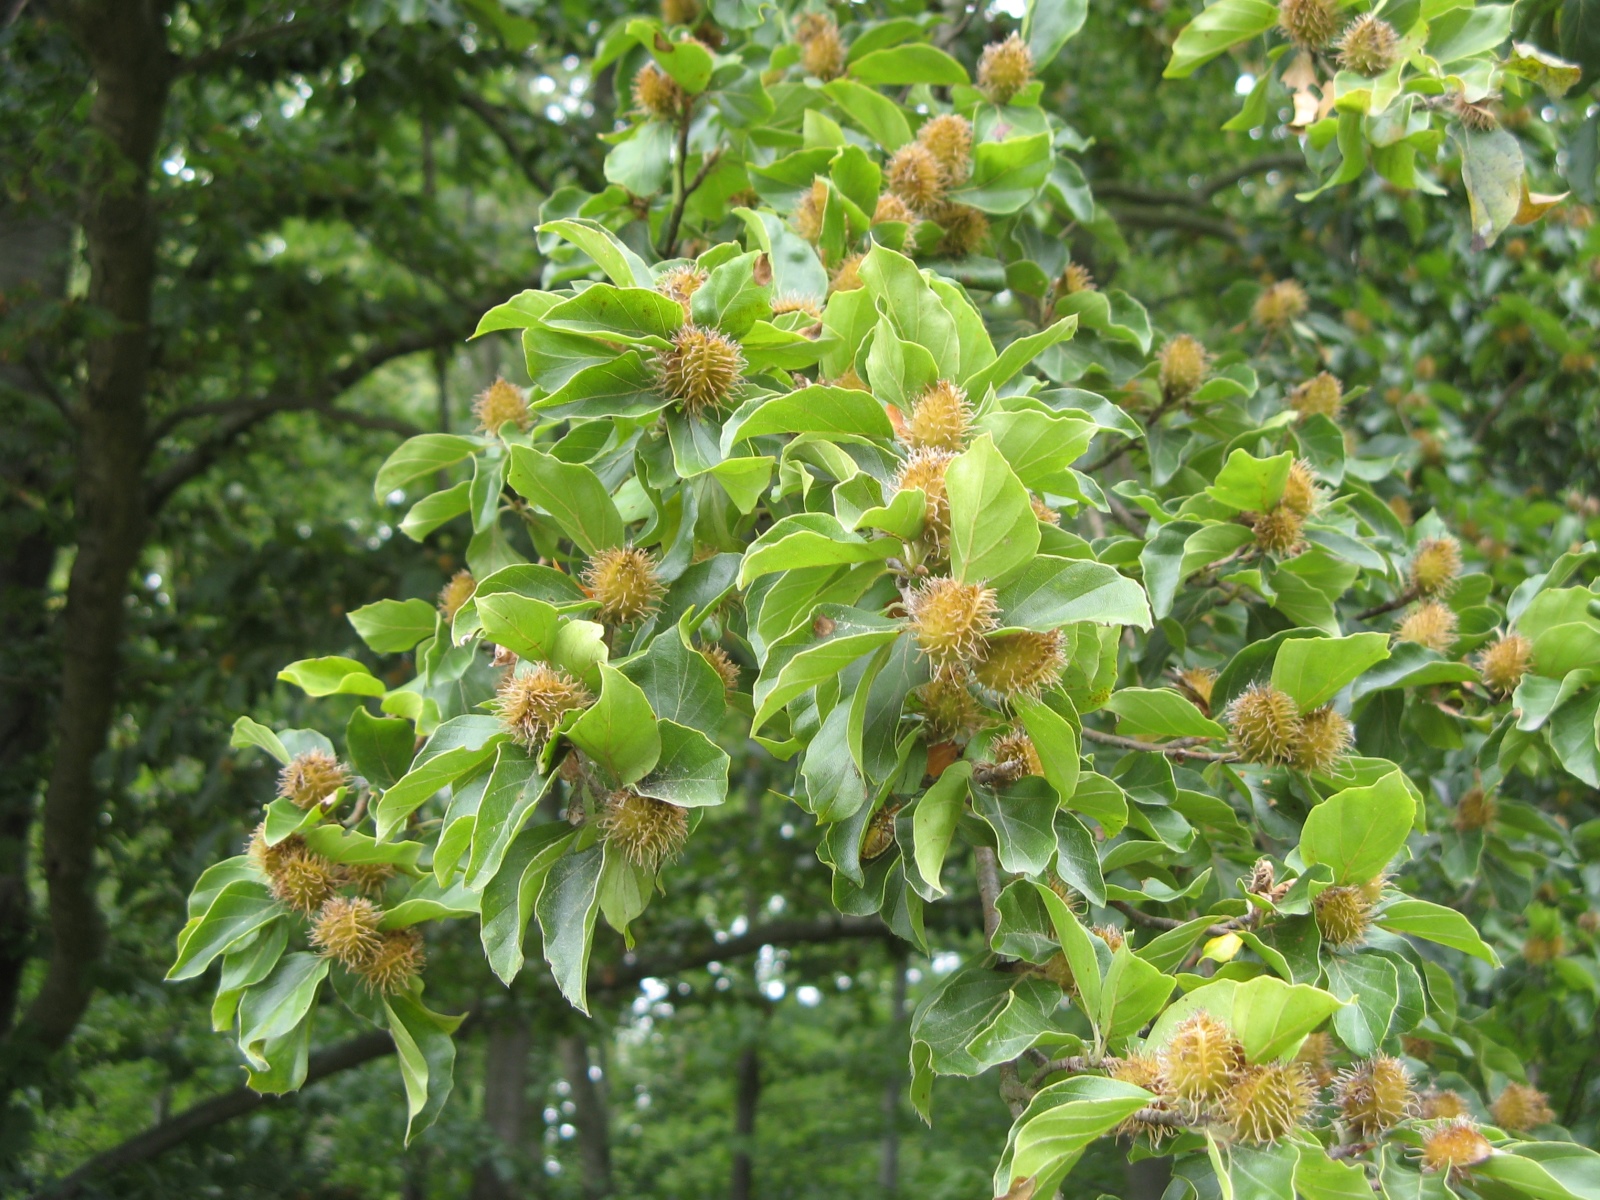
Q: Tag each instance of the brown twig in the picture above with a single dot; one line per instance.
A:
(1184, 748)
(1400, 601)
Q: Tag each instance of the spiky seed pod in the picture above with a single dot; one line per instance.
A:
(1024, 663)
(822, 54)
(1044, 512)
(1279, 304)
(1429, 624)
(1014, 756)
(1278, 531)
(657, 93)
(1197, 684)
(1415, 1047)
(1504, 663)
(1067, 896)
(965, 229)
(847, 277)
(1368, 46)
(1110, 935)
(680, 284)
(915, 177)
(797, 304)
(1375, 1095)
(1321, 395)
(1436, 566)
(456, 593)
(501, 404)
(1441, 1105)
(1265, 724)
(311, 777)
(531, 704)
(807, 218)
(1266, 1103)
(1477, 809)
(625, 581)
(649, 832)
(1343, 916)
(925, 469)
(1300, 492)
(1184, 364)
(949, 711)
(1589, 921)
(1141, 1070)
(267, 859)
(1200, 1061)
(950, 620)
(727, 670)
(850, 381)
(1077, 278)
(679, 12)
(1520, 1108)
(369, 879)
(879, 835)
(1315, 1055)
(941, 418)
(810, 25)
(347, 931)
(1059, 972)
(700, 370)
(948, 138)
(1476, 115)
(1454, 1146)
(304, 880)
(891, 207)
(1004, 69)
(1310, 24)
(398, 960)
(1541, 948)
(1325, 738)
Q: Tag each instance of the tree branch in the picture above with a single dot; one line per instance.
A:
(495, 120)
(1182, 220)
(230, 47)
(1182, 748)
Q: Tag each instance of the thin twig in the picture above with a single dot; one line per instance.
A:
(232, 46)
(1400, 601)
(1182, 749)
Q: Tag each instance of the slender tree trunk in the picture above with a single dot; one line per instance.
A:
(747, 1096)
(1148, 1178)
(593, 1121)
(889, 1158)
(505, 1088)
(124, 42)
(33, 266)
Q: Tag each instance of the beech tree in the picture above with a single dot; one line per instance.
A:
(777, 476)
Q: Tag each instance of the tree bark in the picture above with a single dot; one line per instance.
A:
(592, 1119)
(124, 42)
(505, 1089)
(894, 1084)
(747, 1094)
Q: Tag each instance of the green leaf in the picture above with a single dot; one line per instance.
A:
(1022, 816)
(1251, 484)
(1216, 29)
(1371, 987)
(621, 265)
(1556, 76)
(1318, 1177)
(521, 624)
(1017, 355)
(1053, 592)
(1048, 25)
(809, 540)
(619, 731)
(239, 909)
(1056, 742)
(1007, 175)
(679, 683)
(247, 732)
(572, 494)
(524, 309)
(622, 386)
(425, 454)
(1492, 170)
(509, 897)
(1546, 1170)
(428, 901)
(877, 115)
(514, 790)
(687, 60)
(1313, 670)
(1161, 713)
(934, 821)
(906, 65)
(332, 676)
(379, 748)
(809, 657)
(909, 302)
(692, 771)
(1359, 831)
(816, 409)
(427, 1057)
(730, 299)
(1134, 991)
(1077, 860)
(1467, 31)
(1080, 1111)
(394, 626)
(1435, 923)
(566, 909)
(455, 748)
(992, 523)
(1270, 1017)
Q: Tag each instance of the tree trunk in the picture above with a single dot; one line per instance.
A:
(889, 1158)
(747, 1095)
(592, 1119)
(124, 42)
(1148, 1178)
(33, 266)
(505, 1088)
